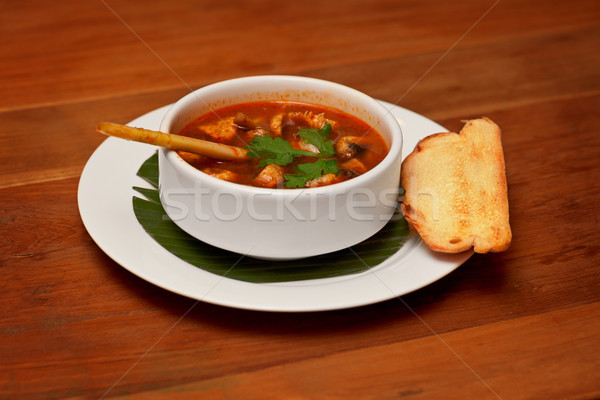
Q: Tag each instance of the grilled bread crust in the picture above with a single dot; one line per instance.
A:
(455, 190)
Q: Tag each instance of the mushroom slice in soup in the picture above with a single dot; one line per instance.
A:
(348, 146)
(244, 122)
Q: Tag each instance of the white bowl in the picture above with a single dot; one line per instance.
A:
(280, 223)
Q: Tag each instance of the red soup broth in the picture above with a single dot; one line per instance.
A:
(358, 146)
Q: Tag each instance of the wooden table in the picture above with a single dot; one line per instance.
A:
(523, 324)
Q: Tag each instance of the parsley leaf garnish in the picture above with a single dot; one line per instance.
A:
(319, 138)
(280, 152)
(274, 151)
(310, 171)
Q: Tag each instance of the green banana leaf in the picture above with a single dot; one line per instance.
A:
(361, 257)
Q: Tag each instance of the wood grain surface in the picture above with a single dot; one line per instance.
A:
(522, 324)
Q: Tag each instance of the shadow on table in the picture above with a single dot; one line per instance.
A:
(438, 307)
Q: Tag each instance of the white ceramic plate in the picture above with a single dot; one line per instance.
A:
(104, 198)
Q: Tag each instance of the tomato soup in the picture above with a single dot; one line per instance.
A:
(290, 144)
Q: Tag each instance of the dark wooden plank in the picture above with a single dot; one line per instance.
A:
(490, 366)
(478, 79)
(470, 81)
(54, 142)
(85, 52)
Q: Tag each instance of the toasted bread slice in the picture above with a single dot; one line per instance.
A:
(455, 190)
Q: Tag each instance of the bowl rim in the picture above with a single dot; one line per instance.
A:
(385, 116)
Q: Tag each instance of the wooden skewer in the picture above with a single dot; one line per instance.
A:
(174, 142)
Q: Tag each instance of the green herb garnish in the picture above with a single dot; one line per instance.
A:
(274, 151)
(319, 138)
(280, 152)
(309, 171)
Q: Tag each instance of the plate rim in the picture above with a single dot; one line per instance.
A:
(145, 260)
